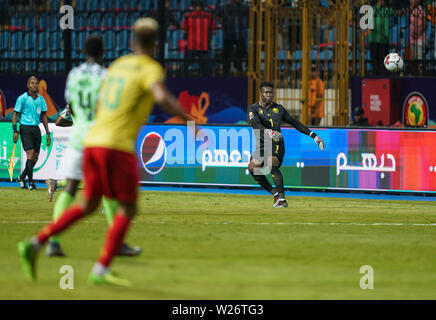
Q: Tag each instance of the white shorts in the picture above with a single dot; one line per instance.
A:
(71, 164)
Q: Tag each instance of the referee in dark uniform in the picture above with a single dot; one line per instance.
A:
(266, 116)
(28, 110)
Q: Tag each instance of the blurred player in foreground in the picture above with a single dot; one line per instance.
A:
(131, 86)
(267, 116)
(83, 81)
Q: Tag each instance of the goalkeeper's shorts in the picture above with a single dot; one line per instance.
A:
(275, 149)
(110, 173)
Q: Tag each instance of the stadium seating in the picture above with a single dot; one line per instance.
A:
(16, 41)
(92, 5)
(80, 20)
(53, 22)
(123, 43)
(121, 19)
(108, 39)
(42, 21)
(81, 5)
(113, 20)
(4, 44)
(108, 20)
(218, 38)
(42, 42)
(4, 40)
(55, 4)
(17, 19)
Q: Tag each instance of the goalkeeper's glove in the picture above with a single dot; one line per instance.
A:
(274, 135)
(317, 139)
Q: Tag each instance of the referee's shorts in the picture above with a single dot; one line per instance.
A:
(30, 138)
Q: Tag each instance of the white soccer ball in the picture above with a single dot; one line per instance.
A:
(394, 62)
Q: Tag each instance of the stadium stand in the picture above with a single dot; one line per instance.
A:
(36, 36)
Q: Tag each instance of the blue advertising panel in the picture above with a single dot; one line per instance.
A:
(354, 159)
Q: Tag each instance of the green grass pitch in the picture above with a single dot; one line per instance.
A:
(214, 246)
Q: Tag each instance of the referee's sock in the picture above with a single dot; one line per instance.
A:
(26, 170)
(278, 180)
(263, 182)
(31, 164)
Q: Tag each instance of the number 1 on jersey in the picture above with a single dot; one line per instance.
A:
(272, 123)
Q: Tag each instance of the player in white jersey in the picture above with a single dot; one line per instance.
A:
(81, 93)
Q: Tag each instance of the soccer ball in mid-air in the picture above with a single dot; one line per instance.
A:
(394, 62)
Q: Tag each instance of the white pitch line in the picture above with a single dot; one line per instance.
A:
(313, 223)
(392, 224)
(36, 222)
(336, 223)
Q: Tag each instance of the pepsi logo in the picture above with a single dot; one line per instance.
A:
(153, 153)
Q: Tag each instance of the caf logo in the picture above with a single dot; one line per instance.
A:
(275, 110)
(153, 153)
(260, 111)
(415, 110)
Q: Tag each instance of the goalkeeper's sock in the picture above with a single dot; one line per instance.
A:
(109, 208)
(278, 180)
(114, 239)
(71, 215)
(62, 203)
(263, 182)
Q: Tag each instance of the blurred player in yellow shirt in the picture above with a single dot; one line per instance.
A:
(131, 86)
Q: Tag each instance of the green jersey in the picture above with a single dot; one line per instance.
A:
(81, 92)
(380, 33)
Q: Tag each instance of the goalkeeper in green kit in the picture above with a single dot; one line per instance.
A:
(81, 93)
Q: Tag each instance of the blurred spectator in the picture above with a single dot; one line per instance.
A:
(234, 21)
(431, 16)
(169, 19)
(198, 27)
(417, 33)
(359, 119)
(379, 36)
(398, 124)
(316, 97)
(170, 22)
